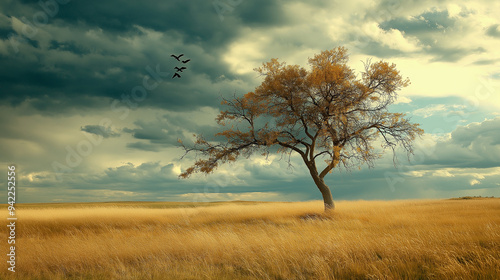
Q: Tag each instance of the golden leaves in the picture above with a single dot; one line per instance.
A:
(335, 56)
(384, 77)
(336, 151)
(188, 172)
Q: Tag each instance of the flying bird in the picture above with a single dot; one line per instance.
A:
(180, 69)
(177, 57)
(176, 75)
(186, 61)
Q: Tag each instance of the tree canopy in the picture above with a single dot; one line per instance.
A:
(327, 114)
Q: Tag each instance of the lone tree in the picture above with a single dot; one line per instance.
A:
(325, 114)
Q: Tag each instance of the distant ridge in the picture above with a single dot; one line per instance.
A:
(473, 197)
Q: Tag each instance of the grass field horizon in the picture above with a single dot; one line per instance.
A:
(399, 239)
(181, 204)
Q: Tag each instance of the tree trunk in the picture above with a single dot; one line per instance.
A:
(325, 191)
(327, 195)
(323, 188)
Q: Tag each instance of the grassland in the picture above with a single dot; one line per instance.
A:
(416, 239)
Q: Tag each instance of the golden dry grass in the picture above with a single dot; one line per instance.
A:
(418, 239)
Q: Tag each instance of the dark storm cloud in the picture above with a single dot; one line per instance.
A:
(70, 76)
(69, 46)
(198, 21)
(105, 132)
(261, 13)
(92, 50)
(57, 80)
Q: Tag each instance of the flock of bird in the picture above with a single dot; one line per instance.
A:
(177, 68)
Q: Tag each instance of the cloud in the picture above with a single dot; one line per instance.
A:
(131, 172)
(494, 31)
(392, 38)
(442, 173)
(475, 182)
(103, 131)
(476, 145)
(403, 99)
(432, 110)
(487, 132)
(486, 62)
(438, 29)
(143, 146)
(429, 110)
(165, 130)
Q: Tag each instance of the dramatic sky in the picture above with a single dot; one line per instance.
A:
(89, 110)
